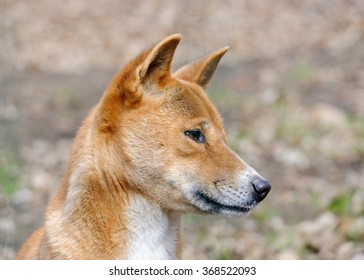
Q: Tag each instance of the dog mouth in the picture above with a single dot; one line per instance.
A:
(208, 204)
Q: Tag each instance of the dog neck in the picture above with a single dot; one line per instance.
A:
(109, 222)
(153, 232)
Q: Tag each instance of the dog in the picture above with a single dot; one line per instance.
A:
(153, 148)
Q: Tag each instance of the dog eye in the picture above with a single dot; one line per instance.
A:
(196, 135)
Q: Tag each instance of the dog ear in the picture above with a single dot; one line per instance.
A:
(132, 82)
(201, 71)
(151, 66)
(157, 63)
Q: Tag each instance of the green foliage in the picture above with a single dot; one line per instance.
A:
(340, 205)
(225, 255)
(305, 250)
(303, 70)
(9, 174)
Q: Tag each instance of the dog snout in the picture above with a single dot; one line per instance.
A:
(261, 188)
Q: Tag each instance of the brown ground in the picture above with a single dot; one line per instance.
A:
(291, 91)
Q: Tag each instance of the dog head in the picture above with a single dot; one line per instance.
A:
(167, 139)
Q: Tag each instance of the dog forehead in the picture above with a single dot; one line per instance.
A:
(189, 104)
(189, 101)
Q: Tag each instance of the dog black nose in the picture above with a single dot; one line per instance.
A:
(261, 188)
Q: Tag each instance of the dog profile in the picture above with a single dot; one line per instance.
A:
(153, 148)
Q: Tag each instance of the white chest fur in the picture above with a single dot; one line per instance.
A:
(153, 232)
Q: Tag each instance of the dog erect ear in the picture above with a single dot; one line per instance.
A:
(151, 66)
(128, 86)
(201, 71)
(157, 63)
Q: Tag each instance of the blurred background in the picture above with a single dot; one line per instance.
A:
(290, 90)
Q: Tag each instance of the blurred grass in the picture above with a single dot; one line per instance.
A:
(10, 171)
(300, 73)
(264, 213)
(224, 255)
(356, 232)
(66, 101)
(340, 205)
(357, 126)
(224, 99)
(303, 70)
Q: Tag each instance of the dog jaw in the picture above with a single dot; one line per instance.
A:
(229, 197)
